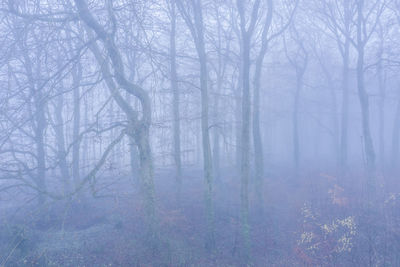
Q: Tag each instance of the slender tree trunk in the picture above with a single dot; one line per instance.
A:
(207, 157)
(216, 133)
(246, 34)
(257, 141)
(238, 127)
(345, 110)
(381, 108)
(335, 123)
(210, 242)
(295, 120)
(111, 118)
(41, 154)
(345, 93)
(238, 115)
(367, 138)
(334, 117)
(364, 102)
(76, 139)
(175, 102)
(85, 148)
(363, 97)
(395, 138)
(216, 116)
(196, 28)
(345, 113)
(258, 146)
(245, 145)
(61, 152)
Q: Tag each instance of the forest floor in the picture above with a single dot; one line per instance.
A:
(311, 221)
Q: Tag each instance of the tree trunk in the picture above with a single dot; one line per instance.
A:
(238, 128)
(345, 93)
(38, 127)
(345, 112)
(216, 133)
(210, 242)
(175, 102)
(258, 146)
(61, 152)
(245, 145)
(395, 138)
(146, 175)
(207, 157)
(134, 159)
(335, 123)
(41, 154)
(364, 102)
(139, 129)
(295, 121)
(76, 139)
(381, 108)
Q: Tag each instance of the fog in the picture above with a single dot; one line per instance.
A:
(199, 133)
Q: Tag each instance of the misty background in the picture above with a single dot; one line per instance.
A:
(199, 133)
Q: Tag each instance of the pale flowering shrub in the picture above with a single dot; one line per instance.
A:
(323, 242)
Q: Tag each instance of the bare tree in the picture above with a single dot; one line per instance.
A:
(368, 16)
(139, 129)
(337, 16)
(299, 61)
(175, 97)
(247, 27)
(192, 13)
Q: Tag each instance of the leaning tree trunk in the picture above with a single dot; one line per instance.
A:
(139, 129)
